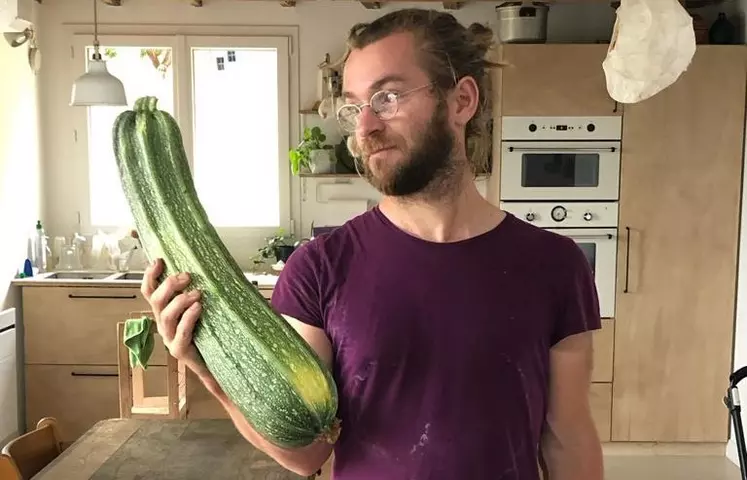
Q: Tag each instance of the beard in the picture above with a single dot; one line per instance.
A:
(428, 168)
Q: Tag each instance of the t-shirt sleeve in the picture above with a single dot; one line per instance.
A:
(579, 302)
(297, 291)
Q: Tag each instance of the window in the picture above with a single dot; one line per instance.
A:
(230, 96)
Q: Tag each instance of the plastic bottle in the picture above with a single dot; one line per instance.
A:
(40, 248)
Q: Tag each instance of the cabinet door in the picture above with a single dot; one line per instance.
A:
(680, 199)
(78, 396)
(77, 325)
(555, 80)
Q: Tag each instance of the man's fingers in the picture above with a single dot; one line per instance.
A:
(171, 315)
(184, 330)
(150, 278)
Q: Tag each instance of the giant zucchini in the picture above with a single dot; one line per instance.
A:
(276, 380)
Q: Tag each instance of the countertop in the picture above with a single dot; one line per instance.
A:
(98, 278)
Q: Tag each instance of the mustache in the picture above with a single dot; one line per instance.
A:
(373, 144)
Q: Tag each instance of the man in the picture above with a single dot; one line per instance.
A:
(459, 335)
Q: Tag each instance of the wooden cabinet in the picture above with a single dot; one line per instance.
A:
(70, 343)
(680, 200)
(79, 395)
(554, 80)
(70, 353)
(77, 325)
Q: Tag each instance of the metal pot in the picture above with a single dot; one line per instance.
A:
(522, 22)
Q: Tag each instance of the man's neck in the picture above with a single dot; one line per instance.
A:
(462, 214)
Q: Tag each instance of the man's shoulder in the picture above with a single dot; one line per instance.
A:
(535, 237)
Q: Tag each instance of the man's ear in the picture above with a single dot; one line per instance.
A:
(465, 98)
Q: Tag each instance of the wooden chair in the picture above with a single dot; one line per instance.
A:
(132, 400)
(31, 452)
(8, 470)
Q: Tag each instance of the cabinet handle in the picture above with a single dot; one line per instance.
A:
(76, 374)
(627, 259)
(121, 297)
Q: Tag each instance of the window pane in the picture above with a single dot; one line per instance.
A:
(143, 71)
(236, 163)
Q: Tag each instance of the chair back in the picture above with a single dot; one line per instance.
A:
(133, 403)
(31, 452)
(8, 470)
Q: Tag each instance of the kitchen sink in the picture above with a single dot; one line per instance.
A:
(77, 275)
(130, 276)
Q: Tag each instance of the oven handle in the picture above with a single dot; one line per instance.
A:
(561, 149)
(607, 236)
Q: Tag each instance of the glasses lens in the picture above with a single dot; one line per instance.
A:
(384, 103)
(347, 116)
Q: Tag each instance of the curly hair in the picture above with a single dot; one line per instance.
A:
(448, 51)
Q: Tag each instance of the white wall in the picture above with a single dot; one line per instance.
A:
(20, 197)
(322, 28)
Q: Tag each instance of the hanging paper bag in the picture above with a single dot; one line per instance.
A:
(653, 43)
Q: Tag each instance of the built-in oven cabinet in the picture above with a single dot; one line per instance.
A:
(554, 80)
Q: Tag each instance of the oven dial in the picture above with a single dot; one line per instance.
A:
(558, 213)
(529, 216)
(587, 216)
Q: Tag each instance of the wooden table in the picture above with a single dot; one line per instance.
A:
(130, 449)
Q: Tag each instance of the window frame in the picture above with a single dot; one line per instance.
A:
(243, 239)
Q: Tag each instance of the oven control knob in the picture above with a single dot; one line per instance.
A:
(558, 213)
(532, 127)
(587, 216)
(529, 216)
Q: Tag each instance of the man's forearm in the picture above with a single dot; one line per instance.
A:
(573, 455)
(302, 461)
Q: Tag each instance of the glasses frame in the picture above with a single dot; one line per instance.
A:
(360, 106)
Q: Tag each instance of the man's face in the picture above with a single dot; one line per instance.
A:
(404, 154)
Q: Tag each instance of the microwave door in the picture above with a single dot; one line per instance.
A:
(560, 170)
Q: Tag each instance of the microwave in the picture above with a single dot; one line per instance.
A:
(560, 158)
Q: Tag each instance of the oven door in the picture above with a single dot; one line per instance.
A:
(560, 170)
(600, 247)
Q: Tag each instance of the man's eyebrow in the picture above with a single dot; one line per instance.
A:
(378, 84)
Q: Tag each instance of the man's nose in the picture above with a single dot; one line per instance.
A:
(368, 122)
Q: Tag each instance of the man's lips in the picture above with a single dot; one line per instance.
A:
(379, 150)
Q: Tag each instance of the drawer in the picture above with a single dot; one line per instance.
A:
(77, 325)
(79, 395)
(604, 341)
(600, 399)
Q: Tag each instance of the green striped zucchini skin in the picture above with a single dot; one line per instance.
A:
(263, 365)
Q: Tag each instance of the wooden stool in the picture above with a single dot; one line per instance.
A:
(132, 400)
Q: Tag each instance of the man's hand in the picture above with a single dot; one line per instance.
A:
(571, 449)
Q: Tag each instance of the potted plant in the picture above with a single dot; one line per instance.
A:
(311, 153)
(279, 246)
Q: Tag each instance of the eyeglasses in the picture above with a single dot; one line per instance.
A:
(384, 104)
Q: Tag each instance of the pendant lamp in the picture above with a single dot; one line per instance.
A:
(97, 86)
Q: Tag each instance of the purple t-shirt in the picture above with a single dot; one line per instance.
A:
(440, 350)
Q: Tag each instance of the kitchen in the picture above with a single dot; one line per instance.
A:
(53, 181)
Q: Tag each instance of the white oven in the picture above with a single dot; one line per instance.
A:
(551, 158)
(593, 226)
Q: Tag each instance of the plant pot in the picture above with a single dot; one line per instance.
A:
(283, 252)
(320, 161)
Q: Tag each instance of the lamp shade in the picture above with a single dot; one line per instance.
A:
(97, 87)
